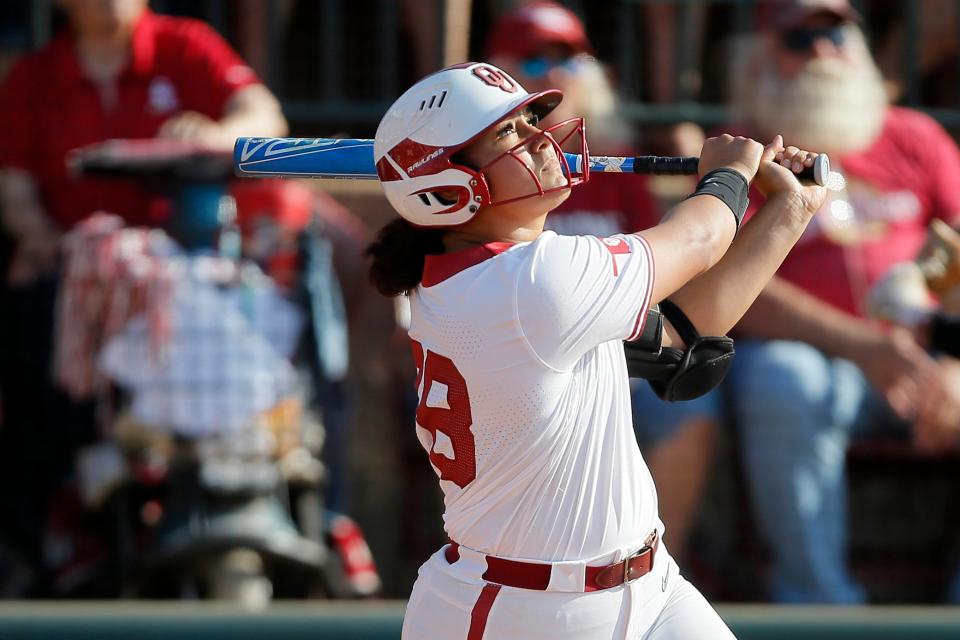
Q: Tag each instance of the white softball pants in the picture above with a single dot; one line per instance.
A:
(452, 602)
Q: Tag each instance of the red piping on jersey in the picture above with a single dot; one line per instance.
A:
(437, 268)
(481, 610)
(642, 315)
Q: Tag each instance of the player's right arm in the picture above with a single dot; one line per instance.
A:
(578, 292)
(716, 300)
(696, 233)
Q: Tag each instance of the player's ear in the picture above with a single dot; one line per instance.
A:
(447, 196)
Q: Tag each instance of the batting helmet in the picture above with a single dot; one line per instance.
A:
(440, 115)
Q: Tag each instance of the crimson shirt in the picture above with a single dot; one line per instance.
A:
(910, 175)
(48, 107)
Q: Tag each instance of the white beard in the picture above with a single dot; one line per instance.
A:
(833, 105)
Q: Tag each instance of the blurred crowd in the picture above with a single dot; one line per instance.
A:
(200, 395)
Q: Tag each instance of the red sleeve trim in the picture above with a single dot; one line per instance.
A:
(642, 315)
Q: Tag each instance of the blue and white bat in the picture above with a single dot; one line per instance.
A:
(352, 158)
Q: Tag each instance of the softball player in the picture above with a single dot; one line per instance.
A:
(524, 405)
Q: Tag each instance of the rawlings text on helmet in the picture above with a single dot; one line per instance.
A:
(427, 158)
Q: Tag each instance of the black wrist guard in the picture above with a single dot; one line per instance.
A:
(730, 187)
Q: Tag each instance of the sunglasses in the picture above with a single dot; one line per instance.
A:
(541, 66)
(801, 40)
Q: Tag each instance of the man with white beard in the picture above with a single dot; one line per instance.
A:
(811, 370)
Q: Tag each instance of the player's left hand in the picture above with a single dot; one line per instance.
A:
(191, 125)
(779, 166)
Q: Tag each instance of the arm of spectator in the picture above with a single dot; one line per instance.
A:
(23, 217)
(894, 363)
(221, 97)
(251, 111)
(937, 427)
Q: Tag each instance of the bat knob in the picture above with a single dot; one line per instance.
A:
(821, 169)
(818, 173)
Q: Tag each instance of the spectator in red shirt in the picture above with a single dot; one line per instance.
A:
(118, 71)
(811, 369)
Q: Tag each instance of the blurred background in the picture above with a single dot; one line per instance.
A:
(202, 398)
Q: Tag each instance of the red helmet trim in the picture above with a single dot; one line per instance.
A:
(386, 171)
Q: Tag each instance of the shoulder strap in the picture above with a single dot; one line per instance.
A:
(680, 322)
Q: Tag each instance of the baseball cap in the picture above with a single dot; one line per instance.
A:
(526, 30)
(780, 15)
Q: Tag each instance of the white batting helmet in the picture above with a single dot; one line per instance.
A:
(439, 116)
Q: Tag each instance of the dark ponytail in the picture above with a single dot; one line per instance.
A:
(398, 254)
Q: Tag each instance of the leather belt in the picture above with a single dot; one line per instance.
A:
(536, 575)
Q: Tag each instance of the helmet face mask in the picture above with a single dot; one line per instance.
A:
(557, 135)
(419, 138)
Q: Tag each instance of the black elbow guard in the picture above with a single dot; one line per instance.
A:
(678, 374)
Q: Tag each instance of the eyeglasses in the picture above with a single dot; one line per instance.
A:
(542, 65)
(801, 40)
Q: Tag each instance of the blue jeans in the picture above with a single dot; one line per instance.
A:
(655, 420)
(796, 410)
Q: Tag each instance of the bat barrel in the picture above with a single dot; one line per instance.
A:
(304, 158)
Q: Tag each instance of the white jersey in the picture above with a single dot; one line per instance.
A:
(524, 396)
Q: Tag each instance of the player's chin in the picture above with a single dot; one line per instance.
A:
(552, 177)
(556, 197)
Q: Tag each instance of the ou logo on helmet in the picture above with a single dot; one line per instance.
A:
(495, 78)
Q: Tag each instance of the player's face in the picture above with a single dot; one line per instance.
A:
(507, 179)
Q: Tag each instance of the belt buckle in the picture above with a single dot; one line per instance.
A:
(646, 548)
